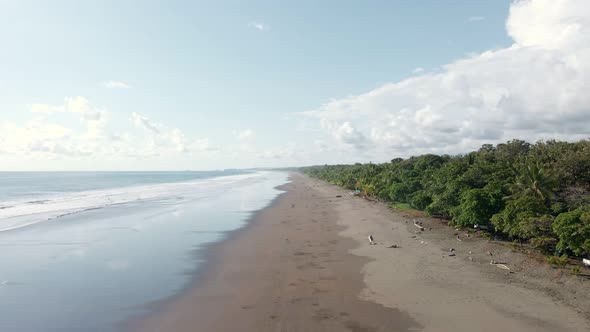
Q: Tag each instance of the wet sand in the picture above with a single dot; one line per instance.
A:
(304, 264)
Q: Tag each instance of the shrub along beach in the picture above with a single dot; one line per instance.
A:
(537, 193)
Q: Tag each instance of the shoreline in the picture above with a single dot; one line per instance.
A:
(303, 263)
(204, 257)
(285, 291)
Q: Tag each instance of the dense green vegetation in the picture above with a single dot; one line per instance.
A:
(528, 192)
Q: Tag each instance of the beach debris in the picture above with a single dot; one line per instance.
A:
(423, 242)
(393, 246)
(500, 265)
(470, 259)
(337, 196)
(470, 253)
(418, 225)
(452, 254)
(371, 239)
(482, 227)
(429, 228)
(586, 262)
(355, 193)
(413, 236)
(452, 250)
(490, 253)
(458, 238)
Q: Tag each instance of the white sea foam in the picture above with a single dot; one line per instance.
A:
(20, 213)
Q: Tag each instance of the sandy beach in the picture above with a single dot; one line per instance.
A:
(305, 264)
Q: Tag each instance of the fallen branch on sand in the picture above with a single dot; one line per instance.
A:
(419, 226)
(500, 265)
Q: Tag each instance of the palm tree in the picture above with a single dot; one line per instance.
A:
(533, 180)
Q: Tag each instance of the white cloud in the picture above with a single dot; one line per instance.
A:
(38, 136)
(144, 122)
(245, 134)
(79, 105)
(163, 137)
(534, 89)
(557, 24)
(201, 144)
(259, 26)
(48, 109)
(418, 70)
(43, 135)
(275, 154)
(346, 135)
(289, 153)
(476, 18)
(116, 85)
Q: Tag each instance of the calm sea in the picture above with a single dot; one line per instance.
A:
(85, 251)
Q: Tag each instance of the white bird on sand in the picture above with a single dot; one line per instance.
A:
(371, 240)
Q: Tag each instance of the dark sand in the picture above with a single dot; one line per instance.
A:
(288, 270)
(304, 264)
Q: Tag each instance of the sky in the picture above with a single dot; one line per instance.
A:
(201, 85)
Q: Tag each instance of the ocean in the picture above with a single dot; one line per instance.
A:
(91, 250)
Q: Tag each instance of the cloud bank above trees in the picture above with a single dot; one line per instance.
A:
(534, 89)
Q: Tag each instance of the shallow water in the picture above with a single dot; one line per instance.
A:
(94, 268)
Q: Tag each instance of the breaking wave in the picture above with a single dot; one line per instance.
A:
(33, 210)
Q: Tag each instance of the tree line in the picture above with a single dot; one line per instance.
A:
(538, 193)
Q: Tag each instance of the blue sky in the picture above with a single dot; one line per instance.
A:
(205, 85)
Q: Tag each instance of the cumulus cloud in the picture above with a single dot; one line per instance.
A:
(201, 144)
(38, 136)
(288, 152)
(274, 154)
(418, 70)
(165, 137)
(345, 134)
(45, 135)
(78, 105)
(259, 26)
(144, 122)
(245, 134)
(47, 109)
(534, 89)
(41, 135)
(116, 85)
